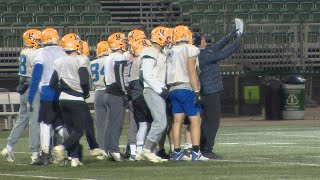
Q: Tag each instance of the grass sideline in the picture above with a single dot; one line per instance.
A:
(251, 150)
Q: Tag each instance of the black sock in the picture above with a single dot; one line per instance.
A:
(177, 149)
(195, 148)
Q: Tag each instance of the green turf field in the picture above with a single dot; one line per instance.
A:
(251, 150)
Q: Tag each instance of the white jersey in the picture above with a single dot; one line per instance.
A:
(109, 66)
(47, 56)
(25, 62)
(177, 63)
(85, 60)
(134, 69)
(97, 71)
(154, 69)
(67, 68)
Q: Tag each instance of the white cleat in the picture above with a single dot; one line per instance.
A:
(8, 155)
(152, 157)
(115, 156)
(75, 162)
(96, 152)
(103, 156)
(59, 153)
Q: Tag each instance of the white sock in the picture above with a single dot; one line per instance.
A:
(171, 148)
(187, 146)
(35, 154)
(139, 147)
(45, 137)
(9, 147)
(142, 132)
(133, 149)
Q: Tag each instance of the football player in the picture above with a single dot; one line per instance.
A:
(140, 109)
(97, 71)
(71, 76)
(155, 91)
(49, 114)
(31, 41)
(184, 91)
(116, 95)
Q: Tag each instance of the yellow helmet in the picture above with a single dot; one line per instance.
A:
(49, 36)
(190, 39)
(71, 45)
(85, 48)
(117, 41)
(158, 35)
(139, 45)
(71, 36)
(32, 38)
(136, 34)
(103, 48)
(170, 35)
(181, 34)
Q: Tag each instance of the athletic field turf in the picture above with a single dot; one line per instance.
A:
(251, 150)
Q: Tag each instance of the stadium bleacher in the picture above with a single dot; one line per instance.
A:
(270, 24)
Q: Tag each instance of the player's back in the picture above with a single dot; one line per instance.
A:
(97, 70)
(46, 56)
(25, 62)
(67, 68)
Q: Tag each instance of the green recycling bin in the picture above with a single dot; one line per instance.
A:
(293, 89)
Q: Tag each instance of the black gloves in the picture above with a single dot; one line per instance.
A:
(165, 93)
(30, 107)
(232, 34)
(198, 98)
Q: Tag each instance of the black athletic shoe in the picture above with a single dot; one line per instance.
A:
(80, 155)
(127, 153)
(211, 155)
(162, 154)
(43, 159)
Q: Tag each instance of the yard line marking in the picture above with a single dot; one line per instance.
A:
(44, 177)
(257, 143)
(284, 163)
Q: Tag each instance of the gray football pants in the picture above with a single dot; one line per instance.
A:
(132, 129)
(157, 106)
(26, 118)
(100, 106)
(116, 108)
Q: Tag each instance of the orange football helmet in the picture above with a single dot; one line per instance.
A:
(71, 36)
(49, 36)
(32, 38)
(85, 48)
(181, 34)
(139, 45)
(117, 41)
(170, 35)
(103, 48)
(136, 34)
(71, 45)
(158, 35)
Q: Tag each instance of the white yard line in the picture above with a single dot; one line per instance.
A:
(283, 163)
(43, 177)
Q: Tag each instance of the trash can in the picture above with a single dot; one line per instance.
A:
(272, 100)
(293, 88)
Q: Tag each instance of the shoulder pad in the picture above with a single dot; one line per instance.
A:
(149, 52)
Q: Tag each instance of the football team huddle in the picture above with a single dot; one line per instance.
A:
(155, 79)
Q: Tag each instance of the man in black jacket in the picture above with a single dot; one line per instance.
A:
(211, 86)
